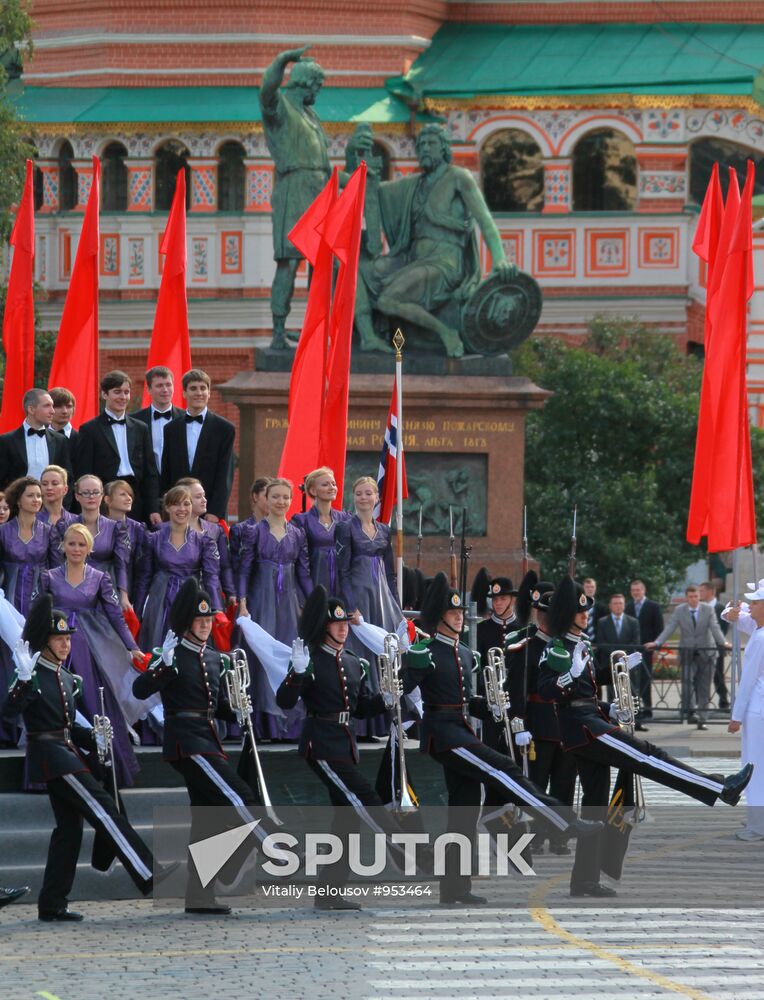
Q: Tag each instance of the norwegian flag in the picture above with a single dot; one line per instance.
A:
(387, 465)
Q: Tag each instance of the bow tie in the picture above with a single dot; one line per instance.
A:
(31, 431)
(167, 415)
(113, 420)
(194, 420)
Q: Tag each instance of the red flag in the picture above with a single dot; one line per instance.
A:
(731, 517)
(343, 233)
(18, 318)
(75, 361)
(388, 462)
(170, 345)
(307, 386)
(711, 244)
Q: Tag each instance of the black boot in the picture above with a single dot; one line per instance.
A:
(734, 785)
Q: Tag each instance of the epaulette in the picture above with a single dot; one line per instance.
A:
(477, 659)
(365, 667)
(526, 632)
(556, 657)
(77, 685)
(419, 656)
(226, 665)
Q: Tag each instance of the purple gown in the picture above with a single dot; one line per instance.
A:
(322, 552)
(162, 569)
(110, 553)
(367, 583)
(100, 655)
(275, 577)
(21, 563)
(218, 536)
(66, 518)
(235, 535)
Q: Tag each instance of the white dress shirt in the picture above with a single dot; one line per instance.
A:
(66, 430)
(37, 451)
(193, 430)
(120, 436)
(157, 432)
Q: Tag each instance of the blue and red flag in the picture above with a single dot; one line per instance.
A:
(388, 460)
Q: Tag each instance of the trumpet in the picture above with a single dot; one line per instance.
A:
(105, 746)
(237, 684)
(628, 706)
(494, 677)
(390, 664)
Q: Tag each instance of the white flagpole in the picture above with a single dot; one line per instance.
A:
(398, 342)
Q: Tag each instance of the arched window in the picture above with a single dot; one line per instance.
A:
(231, 175)
(705, 152)
(604, 172)
(512, 169)
(67, 178)
(170, 158)
(114, 178)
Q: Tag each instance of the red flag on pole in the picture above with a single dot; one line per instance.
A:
(307, 385)
(342, 232)
(170, 344)
(75, 361)
(18, 318)
(388, 462)
(731, 517)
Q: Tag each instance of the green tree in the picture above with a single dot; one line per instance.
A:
(617, 439)
(15, 44)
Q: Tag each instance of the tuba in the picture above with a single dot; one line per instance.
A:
(494, 676)
(102, 727)
(390, 663)
(627, 713)
(237, 683)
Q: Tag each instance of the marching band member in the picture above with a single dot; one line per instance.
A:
(319, 524)
(442, 669)
(188, 673)
(44, 693)
(591, 733)
(331, 681)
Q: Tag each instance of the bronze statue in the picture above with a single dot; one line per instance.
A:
(299, 149)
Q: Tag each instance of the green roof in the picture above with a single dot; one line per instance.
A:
(470, 60)
(51, 105)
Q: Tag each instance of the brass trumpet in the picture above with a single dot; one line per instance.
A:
(494, 676)
(390, 664)
(628, 706)
(237, 683)
(102, 727)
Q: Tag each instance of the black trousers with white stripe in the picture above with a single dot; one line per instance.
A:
(619, 750)
(211, 781)
(356, 801)
(465, 769)
(555, 769)
(78, 797)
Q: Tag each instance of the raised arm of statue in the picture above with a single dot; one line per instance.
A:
(476, 206)
(273, 77)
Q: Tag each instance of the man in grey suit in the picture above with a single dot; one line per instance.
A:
(700, 638)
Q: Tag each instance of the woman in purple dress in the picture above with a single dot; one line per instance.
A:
(118, 497)
(170, 555)
(110, 552)
(274, 582)
(319, 523)
(216, 532)
(259, 508)
(55, 485)
(101, 645)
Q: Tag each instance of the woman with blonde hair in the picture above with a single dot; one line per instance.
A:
(101, 644)
(170, 555)
(319, 523)
(55, 485)
(118, 499)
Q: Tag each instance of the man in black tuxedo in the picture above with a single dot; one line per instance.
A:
(27, 450)
(708, 596)
(650, 617)
(200, 444)
(116, 446)
(615, 630)
(63, 411)
(161, 386)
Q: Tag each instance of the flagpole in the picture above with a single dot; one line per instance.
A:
(735, 670)
(398, 342)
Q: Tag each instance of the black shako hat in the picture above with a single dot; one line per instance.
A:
(541, 597)
(43, 621)
(524, 602)
(440, 597)
(567, 601)
(190, 602)
(485, 586)
(320, 610)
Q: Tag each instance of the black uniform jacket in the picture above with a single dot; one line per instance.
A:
(442, 670)
(540, 716)
(333, 684)
(582, 717)
(47, 705)
(193, 694)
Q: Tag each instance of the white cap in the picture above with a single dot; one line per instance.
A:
(756, 595)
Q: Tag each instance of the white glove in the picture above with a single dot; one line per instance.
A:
(168, 647)
(387, 697)
(616, 714)
(580, 659)
(565, 680)
(300, 657)
(403, 635)
(523, 739)
(100, 742)
(25, 660)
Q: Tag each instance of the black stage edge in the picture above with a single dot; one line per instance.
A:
(414, 363)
